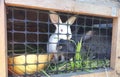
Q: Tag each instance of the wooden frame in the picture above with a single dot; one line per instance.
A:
(3, 38)
(74, 6)
(115, 54)
(68, 6)
(94, 74)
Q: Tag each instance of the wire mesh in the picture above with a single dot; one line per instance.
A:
(29, 32)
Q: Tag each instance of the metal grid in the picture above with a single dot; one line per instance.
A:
(28, 32)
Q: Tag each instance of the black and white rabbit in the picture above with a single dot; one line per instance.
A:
(62, 31)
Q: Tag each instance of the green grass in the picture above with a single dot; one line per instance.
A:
(77, 62)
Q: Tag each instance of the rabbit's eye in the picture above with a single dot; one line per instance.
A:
(61, 30)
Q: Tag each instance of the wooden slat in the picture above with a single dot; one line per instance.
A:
(98, 74)
(114, 42)
(74, 6)
(118, 47)
(115, 61)
(93, 73)
(3, 46)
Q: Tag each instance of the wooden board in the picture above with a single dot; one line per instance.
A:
(72, 6)
(108, 73)
(3, 46)
(99, 74)
(115, 54)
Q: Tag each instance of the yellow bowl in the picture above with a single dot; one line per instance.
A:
(28, 64)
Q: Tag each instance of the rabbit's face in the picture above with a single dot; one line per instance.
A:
(64, 31)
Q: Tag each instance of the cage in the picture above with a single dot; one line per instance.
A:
(33, 32)
(58, 41)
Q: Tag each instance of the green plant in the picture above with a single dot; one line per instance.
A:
(43, 71)
(77, 60)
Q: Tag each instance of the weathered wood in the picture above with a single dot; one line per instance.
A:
(115, 61)
(97, 74)
(93, 73)
(3, 46)
(114, 42)
(74, 6)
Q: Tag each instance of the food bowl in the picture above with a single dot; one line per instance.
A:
(28, 64)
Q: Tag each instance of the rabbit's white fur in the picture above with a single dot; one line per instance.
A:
(62, 31)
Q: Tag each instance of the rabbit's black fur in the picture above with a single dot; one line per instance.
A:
(67, 47)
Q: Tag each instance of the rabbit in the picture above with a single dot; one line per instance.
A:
(93, 46)
(68, 47)
(96, 44)
(99, 45)
(62, 31)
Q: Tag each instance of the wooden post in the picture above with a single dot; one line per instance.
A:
(3, 40)
(115, 54)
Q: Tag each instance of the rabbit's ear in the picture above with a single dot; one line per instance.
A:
(55, 19)
(88, 35)
(71, 20)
